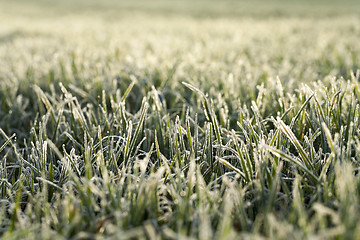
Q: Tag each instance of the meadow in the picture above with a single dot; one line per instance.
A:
(179, 119)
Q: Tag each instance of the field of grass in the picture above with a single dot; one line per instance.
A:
(179, 119)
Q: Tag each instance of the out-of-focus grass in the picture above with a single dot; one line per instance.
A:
(169, 119)
(200, 8)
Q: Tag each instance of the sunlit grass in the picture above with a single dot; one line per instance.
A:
(183, 126)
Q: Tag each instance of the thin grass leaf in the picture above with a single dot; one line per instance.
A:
(128, 90)
(8, 139)
(301, 109)
(290, 135)
(294, 161)
(229, 165)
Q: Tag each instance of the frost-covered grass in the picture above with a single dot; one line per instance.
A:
(180, 122)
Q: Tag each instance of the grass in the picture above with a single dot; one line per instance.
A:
(217, 121)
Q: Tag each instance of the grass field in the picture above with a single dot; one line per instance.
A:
(179, 119)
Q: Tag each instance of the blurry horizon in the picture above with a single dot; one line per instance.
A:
(114, 9)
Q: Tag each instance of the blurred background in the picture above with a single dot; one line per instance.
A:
(197, 8)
